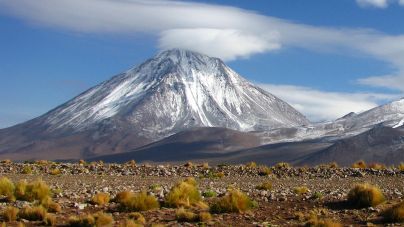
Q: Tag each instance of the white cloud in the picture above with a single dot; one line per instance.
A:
(381, 4)
(221, 31)
(228, 43)
(321, 105)
(373, 3)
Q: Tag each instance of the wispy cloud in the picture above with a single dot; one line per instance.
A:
(320, 105)
(220, 31)
(382, 4)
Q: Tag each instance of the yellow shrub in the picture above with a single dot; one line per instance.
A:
(36, 190)
(139, 202)
(7, 188)
(359, 164)
(314, 221)
(377, 166)
(55, 172)
(204, 216)
(123, 196)
(103, 219)
(130, 223)
(26, 170)
(137, 217)
(251, 165)
(10, 213)
(189, 165)
(282, 165)
(50, 205)
(20, 189)
(82, 221)
(233, 201)
(264, 171)
(301, 190)
(365, 195)
(264, 186)
(100, 198)
(33, 213)
(401, 166)
(184, 193)
(50, 220)
(184, 215)
(395, 213)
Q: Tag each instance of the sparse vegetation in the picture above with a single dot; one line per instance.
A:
(26, 170)
(315, 221)
(184, 215)
(282, 165)
(301, 190)
(377, 166)
(264, 186)
(209, 194)
(50, 205)
(394, 213)
(37, 213)
(101, 199)
(401, 166)
(87, 220)
(184, 193)
(251, 165)
(103, 219)
(365, 195)
(233, 201)
(36, 190)
(7, 189)
(137, 201)
(55, 172)
(359, 165)
(10, 213)
(264, 171)
(137, 217)
(50, 220)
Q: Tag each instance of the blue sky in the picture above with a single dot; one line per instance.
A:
(326, 58)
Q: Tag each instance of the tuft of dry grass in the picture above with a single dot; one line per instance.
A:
(401, 166)
(301, 190)
(37, 213)
(184, 215)
(123, 196)
(101, 199)
(130, 223)
(184, 193)
(49, 220)
(315, 221)
(36, 190)
(137, 202)
(10, 213)
(251, 165)
(377, 166)
(359, 165)
(264, 171)
(189, 165)
(82, 221)
(282, 165)
(394, 214)
(233, 201)
(204, 216)
(26, 170)
(50, 205)
(82, 162)
(365, 195)
(103, 219)
(137, 217)
(264, 186)
(55, 172)
(7, 188)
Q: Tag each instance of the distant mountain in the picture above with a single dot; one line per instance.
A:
(172, 92)
(380, 144)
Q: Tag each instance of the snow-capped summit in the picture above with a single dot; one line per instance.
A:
(176, 90)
